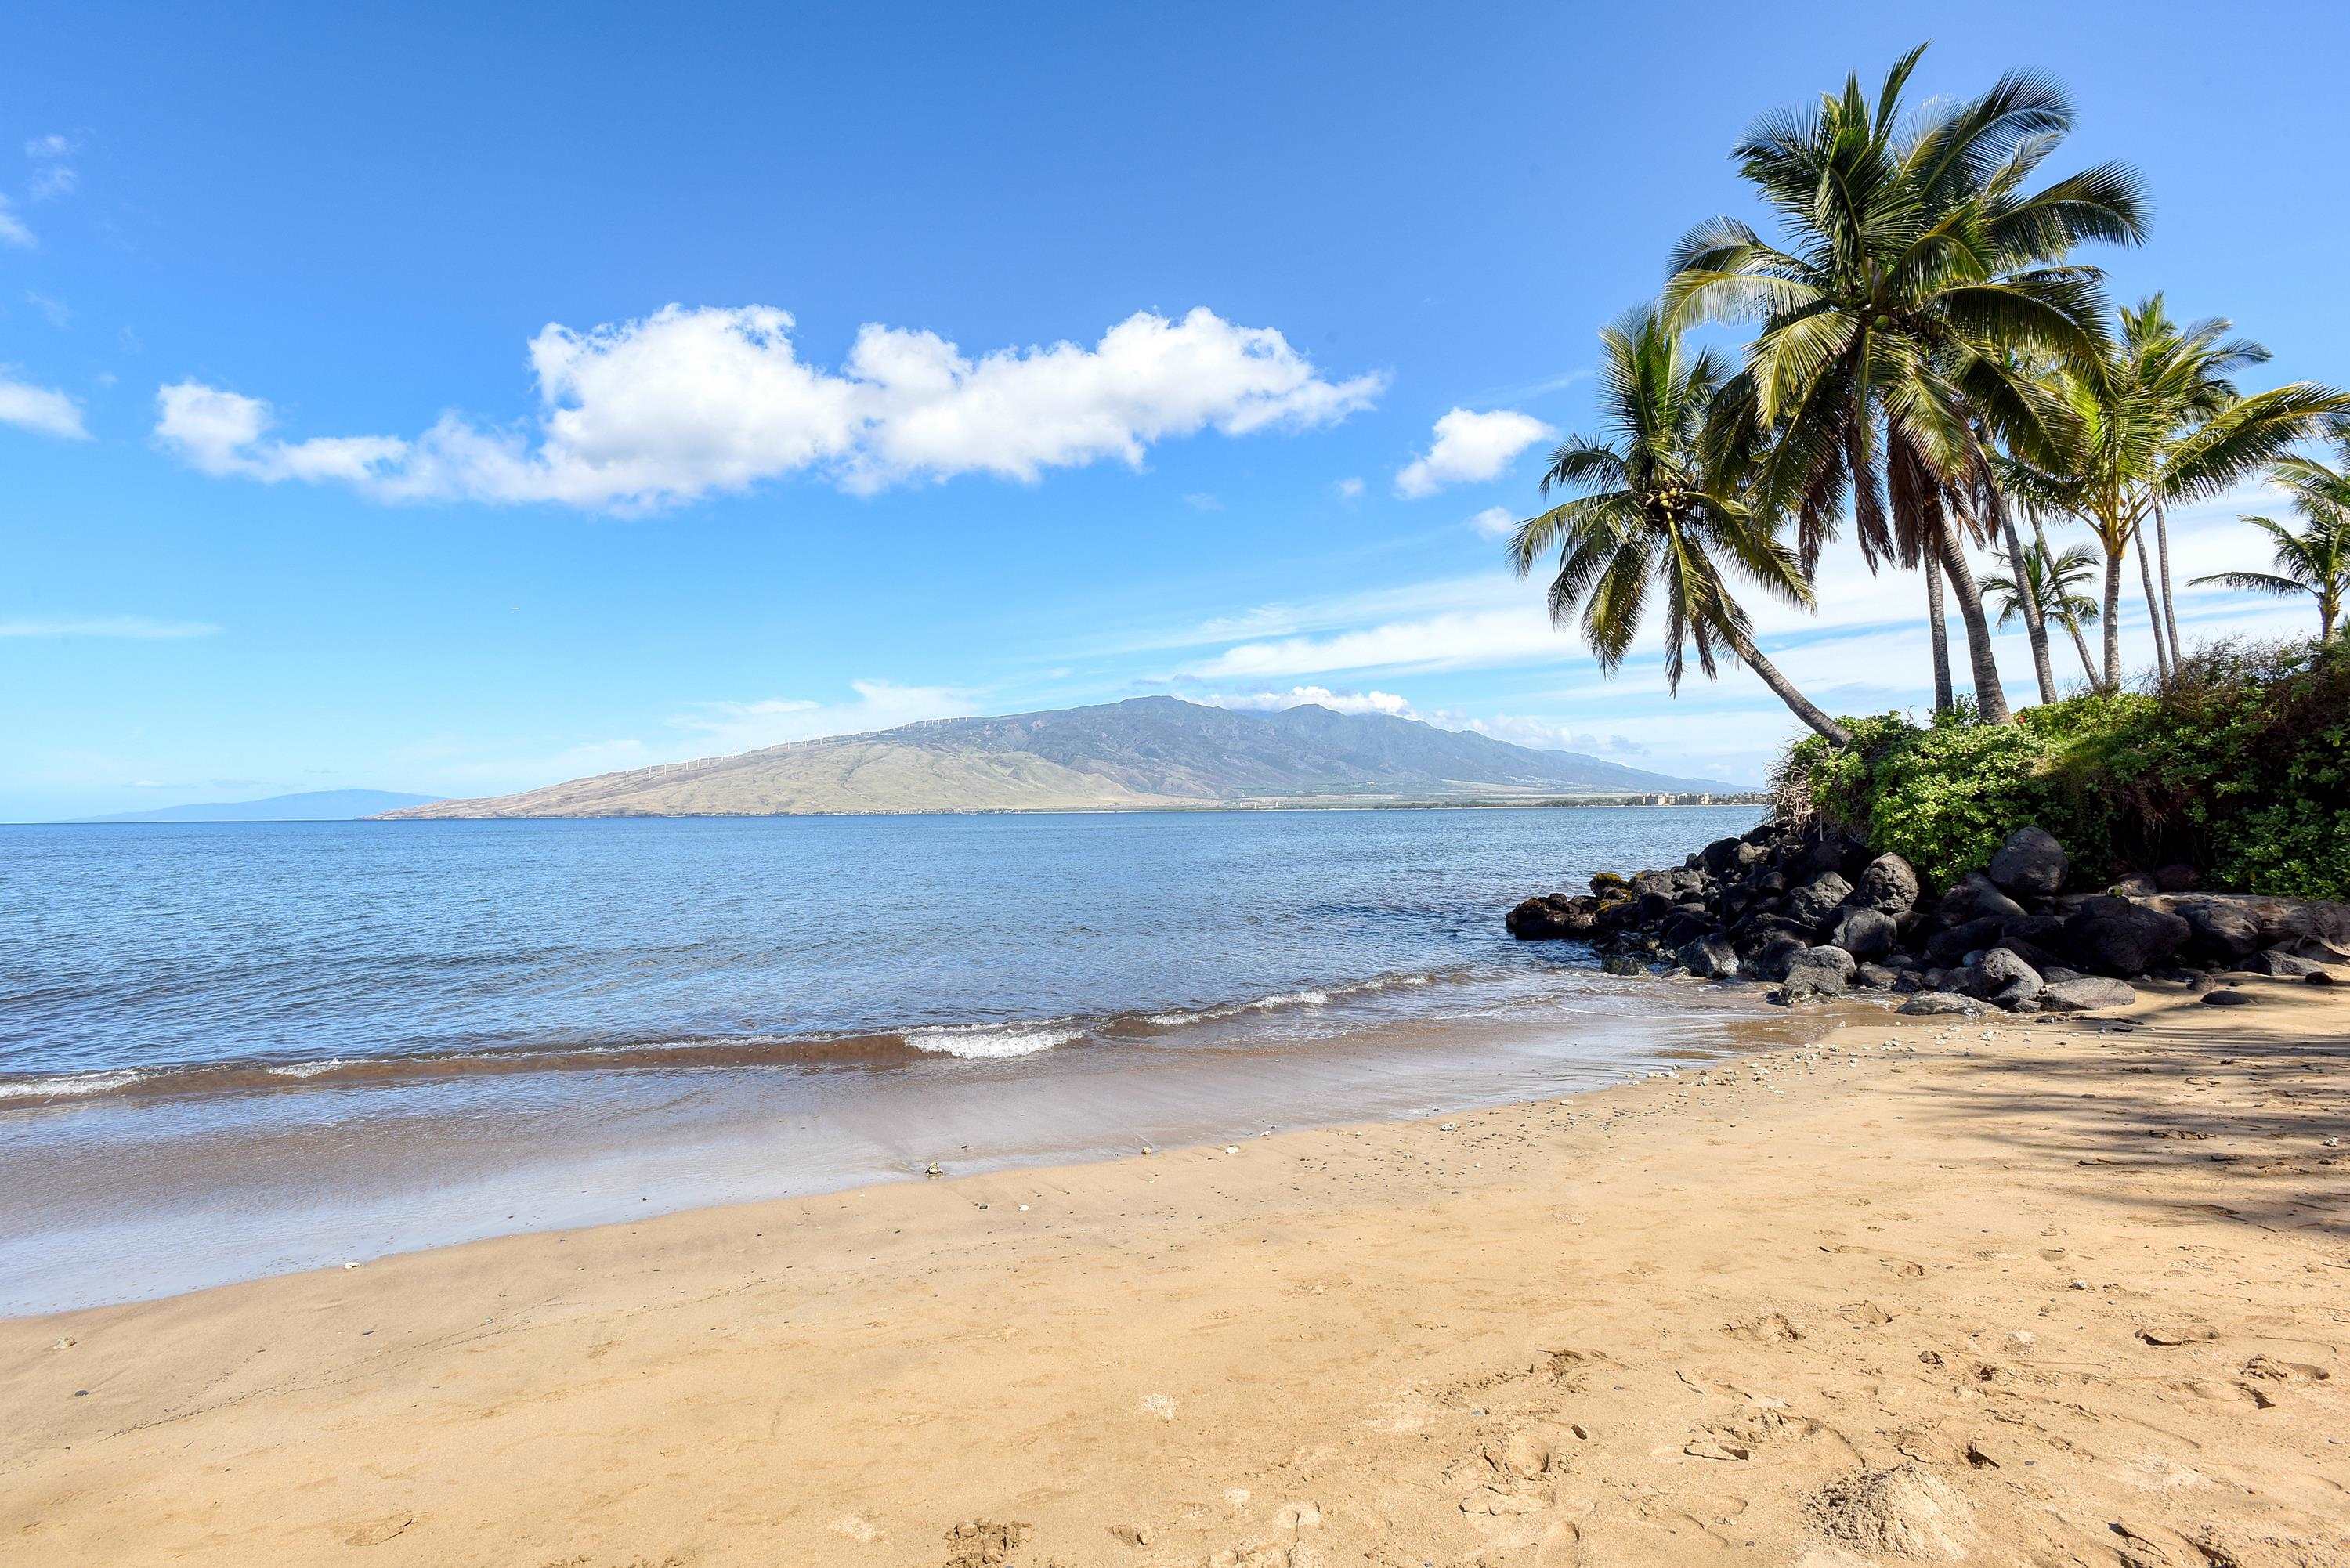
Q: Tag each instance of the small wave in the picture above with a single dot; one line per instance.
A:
(1279, 1001)
(71, 1085)
(978, 1042)
(310, 1069)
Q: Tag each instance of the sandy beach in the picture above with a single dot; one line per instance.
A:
(1999, 1291)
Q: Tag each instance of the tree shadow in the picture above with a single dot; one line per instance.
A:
(2161, 1108)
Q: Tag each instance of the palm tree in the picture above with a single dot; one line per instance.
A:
(2202, 358)
(1654, 508)
(2154, 423)
(2050, 588)
(2316, 560)
(1916, 271)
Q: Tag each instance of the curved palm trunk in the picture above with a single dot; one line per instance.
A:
(2072, 623)
(1803, 706)
(2164, 662)
(2113, 612)
(1939, 633)
(2035, 623)
(2170, 610)
(1991, 698)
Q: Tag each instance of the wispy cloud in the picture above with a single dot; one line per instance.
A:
(686, 402)
(13, 230)
(138, 628)
(721, 728)
(58, 313)
(54, 174)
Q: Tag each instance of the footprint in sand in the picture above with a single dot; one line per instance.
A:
(375, 1531)
(1773, 1328)
(982, 1544)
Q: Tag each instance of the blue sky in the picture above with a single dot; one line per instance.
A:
(350, 440)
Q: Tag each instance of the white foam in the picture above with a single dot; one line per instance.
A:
(308, 1069)
(69, 1085)
(978, 1042)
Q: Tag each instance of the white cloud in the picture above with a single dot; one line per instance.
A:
(1350, 489)
(1546, 734)
(1201, 501)
(688, 401)
(40, 410)
(222, 433)
(1457, 639)
(724, 728)
(58, 312)
(1386, 702)
(13, 230)
(1494, 523)
(1470, 447)
(138, 627)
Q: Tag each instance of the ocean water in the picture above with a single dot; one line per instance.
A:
(232, 1049)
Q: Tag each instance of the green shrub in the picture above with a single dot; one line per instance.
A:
(2241, 769)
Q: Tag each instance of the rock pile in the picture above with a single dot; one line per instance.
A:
(1819, 915)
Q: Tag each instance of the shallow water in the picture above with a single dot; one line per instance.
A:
(236, 1049)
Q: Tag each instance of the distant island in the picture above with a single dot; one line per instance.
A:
(310, 805)
(1144, 754)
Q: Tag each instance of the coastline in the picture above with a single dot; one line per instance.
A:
(2085, 1283)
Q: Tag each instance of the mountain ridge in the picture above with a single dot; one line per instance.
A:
(1143, 753)
(303, 806)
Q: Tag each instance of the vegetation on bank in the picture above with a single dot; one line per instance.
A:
(2238, 766)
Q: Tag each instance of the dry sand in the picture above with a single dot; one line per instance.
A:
(2001, 1292)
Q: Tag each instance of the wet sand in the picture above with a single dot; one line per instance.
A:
(130, 1196)
(2001, 1291)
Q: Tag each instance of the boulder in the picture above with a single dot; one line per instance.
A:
(1952, 946)
(1603, 883)
(1770, 961)
(2278, 962)
(1652, 905)
(1815, 904)
(1864, 932)
(1935, 1004)
(2229, 925)
(1552, 917)
(1615, 914)
(1722, 856)
(1975, 897)
(1876, 977)
(2085, 993)
(1622, 963)
(1818, 972)
(1889, 884)
(2030, 865)
(1709, 957)
(2117, 937)
(2228, 999)
(2137, 885)
(2001, 978)
(1748, 856)
(1686, 924)
(1818, 856)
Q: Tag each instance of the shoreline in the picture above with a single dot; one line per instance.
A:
(2083, 1279)
(154, 1190)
